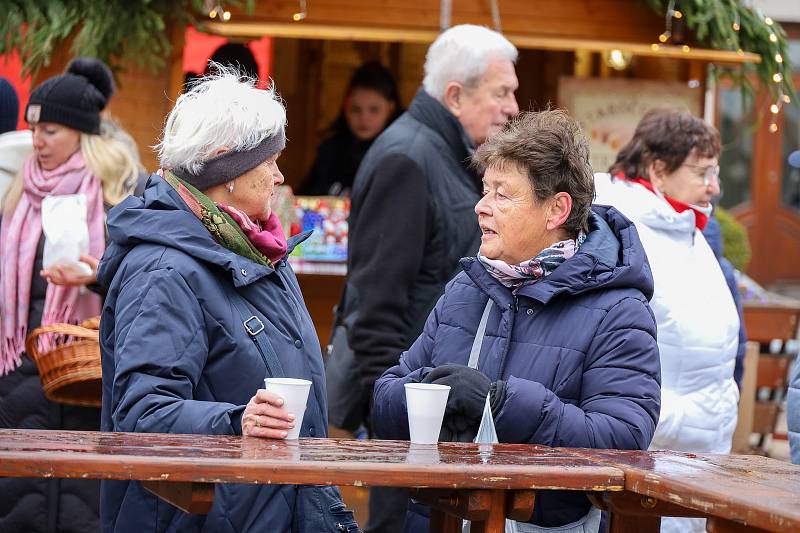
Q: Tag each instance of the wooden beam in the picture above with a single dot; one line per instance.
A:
(401, 35)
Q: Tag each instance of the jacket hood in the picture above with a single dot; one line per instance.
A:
(611, 257)
(161, 217)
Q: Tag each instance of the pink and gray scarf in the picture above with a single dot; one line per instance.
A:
(532, 270)
(19, 240)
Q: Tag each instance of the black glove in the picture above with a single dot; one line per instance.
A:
(468, 390)
(457, 428)
(497, 396)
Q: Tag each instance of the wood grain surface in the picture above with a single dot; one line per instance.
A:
(750, 489)
(228, 459)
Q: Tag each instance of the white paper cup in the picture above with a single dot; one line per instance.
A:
(295, 395)
(425, 404)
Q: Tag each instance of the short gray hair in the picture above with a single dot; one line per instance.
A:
(462, 54)
(222, 110)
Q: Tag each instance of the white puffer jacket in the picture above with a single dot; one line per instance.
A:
(697, 322)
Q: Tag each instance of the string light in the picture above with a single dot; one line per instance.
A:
(773, 37)
(677, 14)
(775, 109)
(773, 128)
(617, 59)
(685, 48)
(778, 58)
(736, 20)
(786, 99)
(216, 11)
(664, 37)
(654, 47)
(768, 21)
(736, 26)
(777, 77)
(300, 15)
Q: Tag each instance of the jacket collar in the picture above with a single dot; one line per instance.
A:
(433, 114)
(605, 259)
(161, 217)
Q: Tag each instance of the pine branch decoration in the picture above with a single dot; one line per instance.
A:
(713, 23)
(119, 32)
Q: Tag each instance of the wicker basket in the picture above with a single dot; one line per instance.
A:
(71, 372)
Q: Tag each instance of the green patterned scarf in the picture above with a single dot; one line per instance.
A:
(223, 228)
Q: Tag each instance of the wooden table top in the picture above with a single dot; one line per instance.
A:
(756, 490)
(229, 459)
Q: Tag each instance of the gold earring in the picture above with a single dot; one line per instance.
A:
(230, 187)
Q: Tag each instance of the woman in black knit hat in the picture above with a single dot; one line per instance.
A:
(75, 152)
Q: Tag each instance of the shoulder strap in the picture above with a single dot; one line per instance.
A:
(475, 353)
(256, 330)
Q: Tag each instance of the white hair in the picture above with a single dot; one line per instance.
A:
(222, 110)
(462, 54)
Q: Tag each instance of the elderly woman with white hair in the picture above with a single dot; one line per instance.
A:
(202, 304)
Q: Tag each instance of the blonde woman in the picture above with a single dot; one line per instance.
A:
(74, 152)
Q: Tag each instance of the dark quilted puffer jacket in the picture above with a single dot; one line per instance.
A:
(44, 505)
(577, 351)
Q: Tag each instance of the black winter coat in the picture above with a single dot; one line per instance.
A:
(411, 221)
(33, 504)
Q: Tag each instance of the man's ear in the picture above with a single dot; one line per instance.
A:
(560, 209)
(454, 98)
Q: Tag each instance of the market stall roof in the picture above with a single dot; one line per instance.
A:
(594, 25)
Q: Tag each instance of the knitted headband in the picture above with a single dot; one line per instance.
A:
(228, 166)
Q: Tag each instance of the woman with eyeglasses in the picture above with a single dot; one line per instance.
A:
(663, 180)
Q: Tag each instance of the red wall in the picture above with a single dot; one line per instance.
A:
(11, 69)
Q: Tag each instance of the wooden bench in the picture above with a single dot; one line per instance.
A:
(765, 374)
(485, 483)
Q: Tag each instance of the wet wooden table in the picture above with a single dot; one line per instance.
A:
(734, 491)
(483, 483)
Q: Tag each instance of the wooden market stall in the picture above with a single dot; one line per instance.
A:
(313, 58)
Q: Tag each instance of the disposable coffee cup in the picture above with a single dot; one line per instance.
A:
(295, 395)
(425, 404)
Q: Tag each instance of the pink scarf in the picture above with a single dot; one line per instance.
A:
(19, 240)
(269, 240)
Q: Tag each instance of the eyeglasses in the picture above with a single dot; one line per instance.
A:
(709, 175)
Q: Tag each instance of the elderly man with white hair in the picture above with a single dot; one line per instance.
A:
(202, 305)
(412, 215)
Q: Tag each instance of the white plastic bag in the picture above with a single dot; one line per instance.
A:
(487, 435)
(66, 233)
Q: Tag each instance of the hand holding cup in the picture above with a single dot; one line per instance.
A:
(266, 417)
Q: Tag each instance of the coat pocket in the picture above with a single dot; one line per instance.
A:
(320, 509)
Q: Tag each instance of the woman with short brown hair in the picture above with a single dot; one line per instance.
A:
(556, 304)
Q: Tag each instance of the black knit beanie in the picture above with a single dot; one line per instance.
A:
(75, 98)
(9, 106)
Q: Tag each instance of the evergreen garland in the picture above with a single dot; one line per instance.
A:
(118, 32)
(714, 23)
(121, 31)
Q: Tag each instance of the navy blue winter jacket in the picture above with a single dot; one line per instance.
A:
(713, 235)
(177, 358)
(577, 350)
